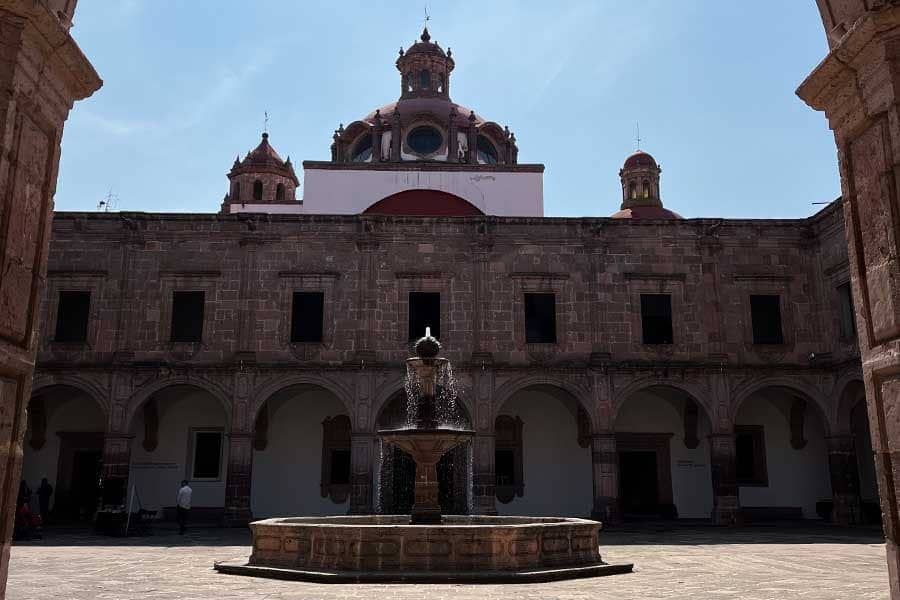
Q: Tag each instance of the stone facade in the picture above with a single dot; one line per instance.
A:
(42, 72)
(249, 266)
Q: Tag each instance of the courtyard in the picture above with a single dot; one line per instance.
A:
(753, 563)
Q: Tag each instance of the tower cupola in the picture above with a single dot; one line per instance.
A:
(262, 177)
(640, 189)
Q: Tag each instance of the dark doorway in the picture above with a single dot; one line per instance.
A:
(638, 485)
(78, 476)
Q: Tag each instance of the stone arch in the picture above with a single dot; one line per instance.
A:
(140, 397)
(511, 388)
(266, 391)
(82, 384)
(849, 390)
(696, 393)
(388, 400)
(809, 393)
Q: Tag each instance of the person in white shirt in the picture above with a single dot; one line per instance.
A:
(183, 505)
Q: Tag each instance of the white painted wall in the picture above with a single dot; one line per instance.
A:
(66, 410)
(343, 192)
(796, 477)
(646, 412)
(556, 469)
(157, 475)
(286, 475)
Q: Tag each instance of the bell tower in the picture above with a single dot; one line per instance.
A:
(425, 69)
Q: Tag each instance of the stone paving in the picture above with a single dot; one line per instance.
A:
(745, 564)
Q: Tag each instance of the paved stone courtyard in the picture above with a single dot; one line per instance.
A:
(746, 564)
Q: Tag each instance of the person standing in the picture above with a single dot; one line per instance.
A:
(183, 505)
(44, 492)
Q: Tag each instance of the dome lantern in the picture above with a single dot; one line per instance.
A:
(424, 69)
(640, 189)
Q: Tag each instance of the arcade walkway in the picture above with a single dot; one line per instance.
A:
(750, 564)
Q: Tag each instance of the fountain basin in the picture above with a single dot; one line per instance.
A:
(388, 548)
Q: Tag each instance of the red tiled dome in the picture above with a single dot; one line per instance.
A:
(640, 159)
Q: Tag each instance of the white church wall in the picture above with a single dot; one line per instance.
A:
(796, 478)
(286, 476)
(328, 191)
(691, 478)
(65, 412)
(157, 475)
(557, 471)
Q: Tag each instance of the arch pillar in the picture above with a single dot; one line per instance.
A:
(844, 472)
(605, 473)
(726, 506)
(116, 467)
(484, 479)
(238, 478)
(362, 445)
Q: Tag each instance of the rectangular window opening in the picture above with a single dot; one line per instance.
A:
(72, 315)
(207, 455)
(424, 311)
(656, 318)
(765, 313)
(504, 466)
(307, 315)
(750, 455)
(848, 319)
(187, 316)
(540, 318)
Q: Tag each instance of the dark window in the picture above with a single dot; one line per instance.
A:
(306, 316)
(72, 316)
(656, 318)
(848, 320)
(424, 311)
(257, 190)
(540, 318)
(765, 312)
(504, 466)
(279, 193)
(340, 467)
(362, 151)
(646, 185)
(424, 79)
(486, 153)
(632, 190)
(750, 455)
(207, 454)
(187, 316)
(237, 191)
(425, 139)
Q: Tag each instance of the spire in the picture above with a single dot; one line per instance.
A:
(425, 37)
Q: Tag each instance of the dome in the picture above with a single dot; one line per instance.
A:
(264, 159)
(640, 160)
(437, 107)
(646, 212)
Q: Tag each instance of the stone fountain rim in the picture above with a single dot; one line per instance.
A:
(429, 431)
(490, 522)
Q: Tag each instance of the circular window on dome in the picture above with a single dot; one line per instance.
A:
(362, 151)
(425, 139)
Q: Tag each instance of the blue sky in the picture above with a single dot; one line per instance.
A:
(711, 83)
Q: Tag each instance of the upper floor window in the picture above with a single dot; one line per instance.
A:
(187, 316)
(257, 190)
(424, 311)
(279, 193)
(72, 315)
(237, 191)
(765, 313)
(540, 318)
(848, 320)
(487, 154)
(656, 318)
(306, 316)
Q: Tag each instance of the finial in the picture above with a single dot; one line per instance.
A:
(401, 50)
(472, 116)
(425, 37)
(449, 52)
(265, 123)
(265, 135)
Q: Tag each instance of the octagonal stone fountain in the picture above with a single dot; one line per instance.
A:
(425, 546)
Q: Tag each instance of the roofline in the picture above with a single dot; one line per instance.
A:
(421, 165)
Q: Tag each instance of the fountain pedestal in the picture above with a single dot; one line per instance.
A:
(426, 446)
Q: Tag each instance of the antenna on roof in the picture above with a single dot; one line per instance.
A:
(638, 127)
(109, 202)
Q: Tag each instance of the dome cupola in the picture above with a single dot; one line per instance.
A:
(425, 69)
(640, 189)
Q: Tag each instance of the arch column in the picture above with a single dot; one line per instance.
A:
(238, 478)
(483, 478)
(723, 468)
(605, 472)
(844, 472)
(361, 474)
(115, 470)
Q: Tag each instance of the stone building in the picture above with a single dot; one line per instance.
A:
(627, 366)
